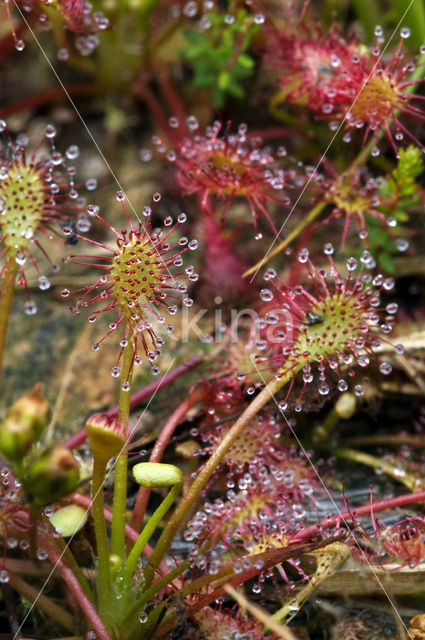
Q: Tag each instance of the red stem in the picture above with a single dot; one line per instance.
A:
(174, 102)
(147, 96)
(136, 398)
(50, 96)
(73, 584)
(327, 523)
(158, 451)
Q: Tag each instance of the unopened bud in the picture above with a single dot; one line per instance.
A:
(54, 475)
(105, 435)
(345, 406)
(156, 474)
(23, 425)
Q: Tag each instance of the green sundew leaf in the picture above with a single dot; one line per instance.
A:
(224, 80)
(245, 61)
(386, 262)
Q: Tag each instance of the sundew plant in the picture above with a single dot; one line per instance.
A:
(212, 423)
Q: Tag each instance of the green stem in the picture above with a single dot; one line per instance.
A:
(6, 296)
(408, 479)
(120, 486)
(103, 575)
(147, 532)
(154, 589)
(210, 466)
(310, 217)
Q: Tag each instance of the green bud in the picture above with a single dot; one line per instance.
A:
(54, 475)
(155, 475)
(105, 435)
(24, 424)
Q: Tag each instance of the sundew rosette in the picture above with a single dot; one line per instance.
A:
(325, 330)
(75, 16)
(38, 199)
(141, 282)
(340, 80)
(221, 164)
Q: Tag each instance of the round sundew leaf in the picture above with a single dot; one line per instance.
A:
(69, 519)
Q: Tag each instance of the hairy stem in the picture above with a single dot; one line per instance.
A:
(120, 485)
(147, 532)
(158, 451)
(357, 512)
(210, 466)
(138, 396)
(310, 217)
(6, 296)
(103, 574)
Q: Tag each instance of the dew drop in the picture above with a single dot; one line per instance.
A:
(20, 258)
(50, 131)
(19, 45)
(342, 385)
(4, 576)
(91, 184)
(63, 54)
(120, 196)
(385, 368)
(41, 554)
(405, 32)
(115, 372)
(266, 295)
(93, 210)
(402, 244)
(303, 255)
(44, 283)
(30, 308)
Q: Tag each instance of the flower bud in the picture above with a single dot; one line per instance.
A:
(54, 475)
(105, 435)
(23, 425)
